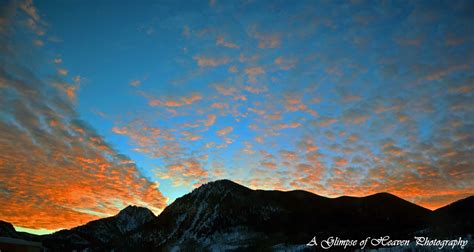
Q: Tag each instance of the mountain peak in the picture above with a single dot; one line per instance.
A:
(135, 210)
(221, 186)
(6, 227)
(223, 182)
(384, 195)
(133, 216)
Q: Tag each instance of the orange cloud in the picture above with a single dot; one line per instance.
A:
(226, 91)
(288, 155)
(61, 174)
(67, 89)
(285, 64)
(149, 140)
(355, 116)
(210, 62)
(440, 73)
(184, 172)
(222, 42)
(219, 105)
(225, 131)
(233, 69)
(189, 136)
(292, 125)
(211, 119)
(269, 165)
(182, 101)
(265, 40)
(294, 104)
(253, 72)
(340, 162)
(464, 89)
(255, 89)
(62, 72)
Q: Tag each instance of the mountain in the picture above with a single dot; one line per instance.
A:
(456, 218)
(7, 230)
(223, 214)
(99, 232)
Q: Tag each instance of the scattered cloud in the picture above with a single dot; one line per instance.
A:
(222, 42)
(203, 61)
(225, 131)
(57, 172)
(211, 119)
(292, 125)
(135, 83)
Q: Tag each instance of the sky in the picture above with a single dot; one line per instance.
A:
(109, 103)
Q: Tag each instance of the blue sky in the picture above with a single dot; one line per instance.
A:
(333, 97)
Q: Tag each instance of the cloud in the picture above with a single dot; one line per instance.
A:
(464, 87)
(294, 104)
(211, 119)
(189, 136)
(182, 101)
(38, 42)
(57, 172)
(225, 131)
(62, 72)
(152, 141)
(255, 89)
(287, 155)
(292, 125)
(268, 165)
(34, 22)
(440, 73)
(257, 111)
(219, 105)
(254, 72)
(265, 40)
(340, 162)
(417, 94)
(28, 7)
(233, 69)
(355, 116)
(284, 63)
(203, 61)
(226, 91)
(229, 91)
(307, 146)
(135, 83)
(248, 148)
(69, 90)
(222, 42)
(185, 172)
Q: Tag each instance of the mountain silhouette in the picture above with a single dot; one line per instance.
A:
(224, 215)
(456, 218)
(99, 232)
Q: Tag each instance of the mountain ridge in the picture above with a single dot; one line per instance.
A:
(224, 214)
